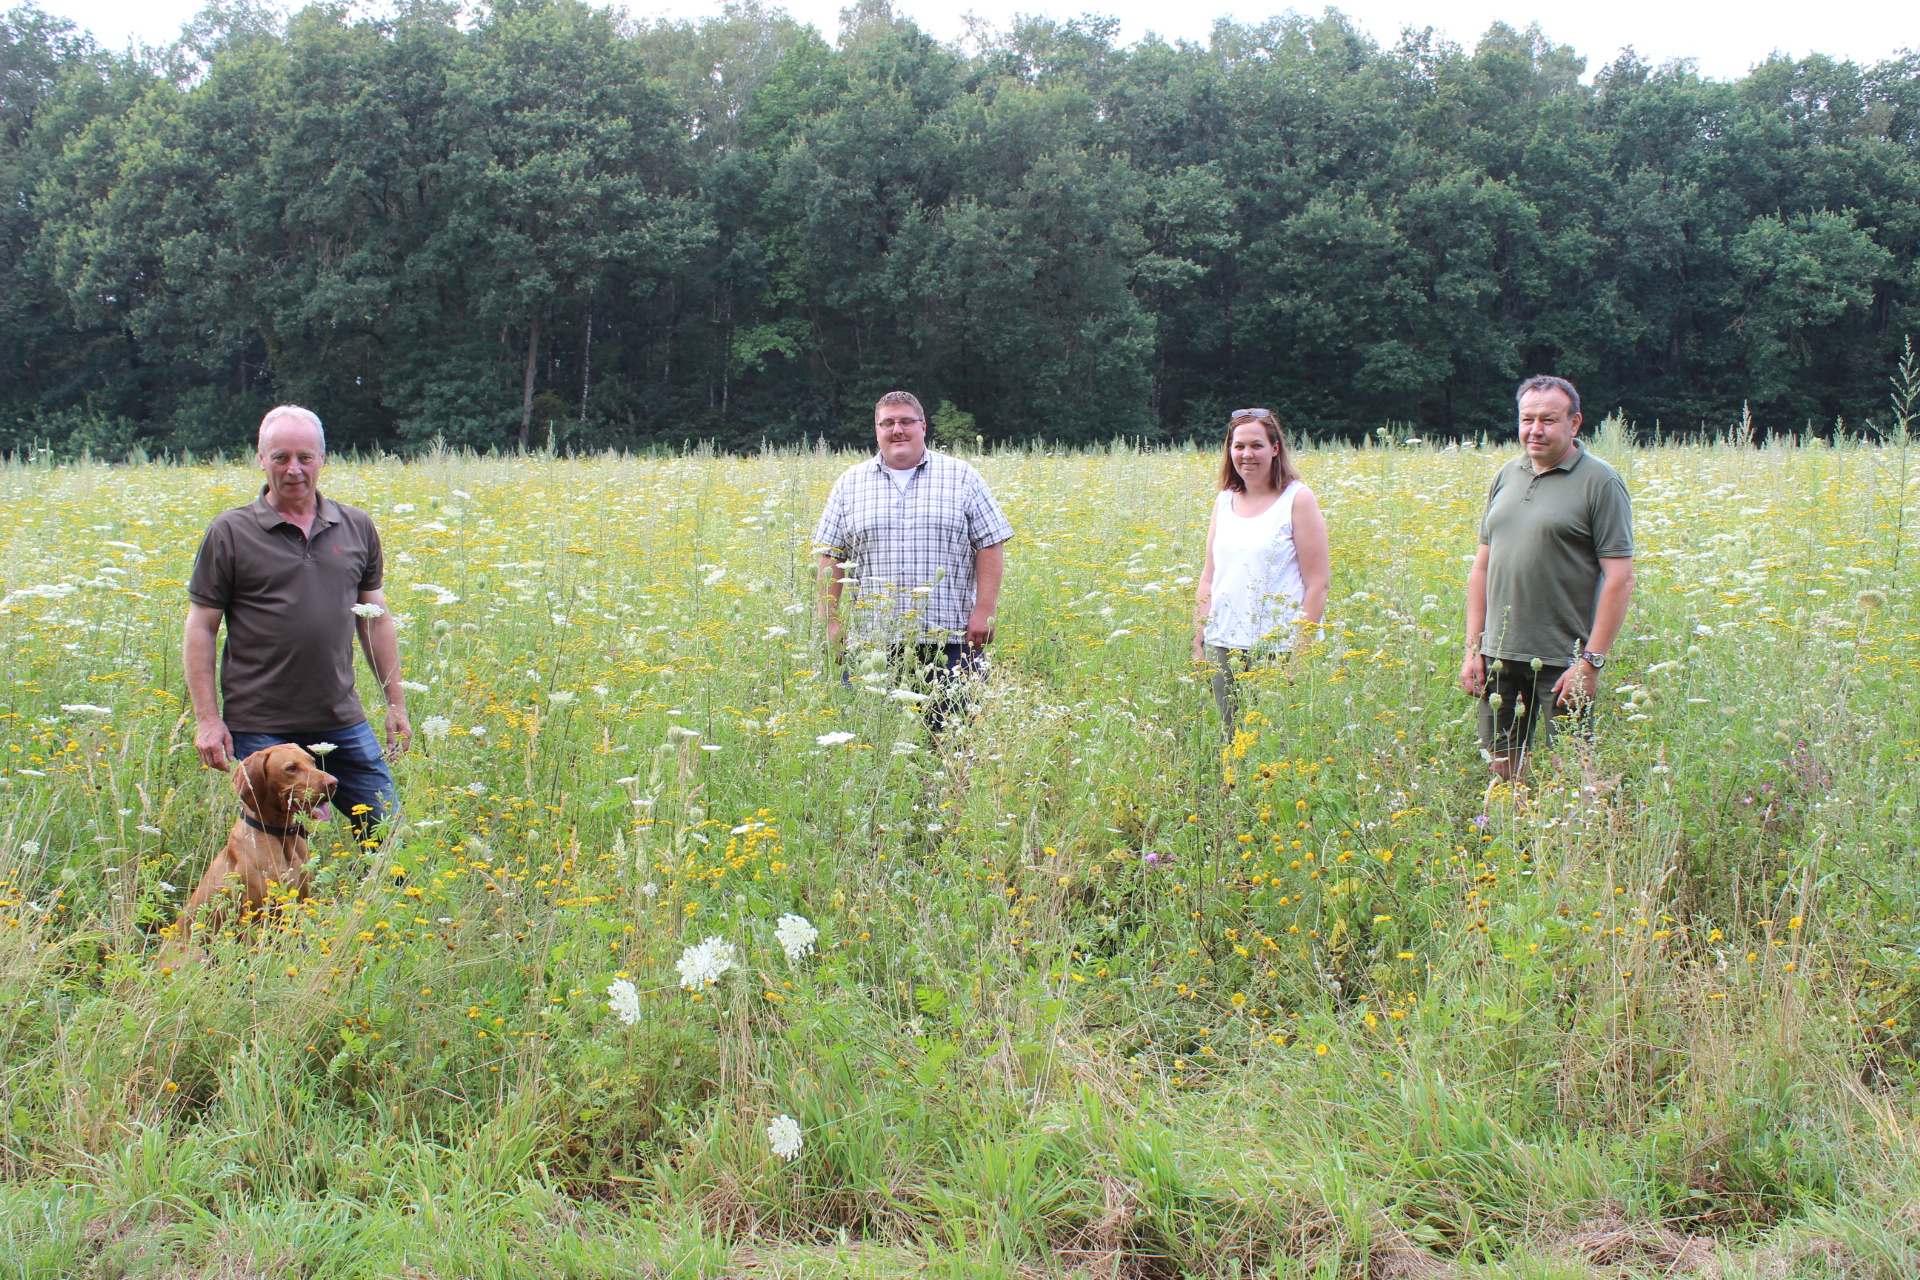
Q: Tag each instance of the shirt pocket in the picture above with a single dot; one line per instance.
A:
(342, 556)
(943, 520)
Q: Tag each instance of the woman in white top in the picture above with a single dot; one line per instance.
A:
(1267, 572)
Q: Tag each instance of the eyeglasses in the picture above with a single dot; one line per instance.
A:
(1249, 413)
(890, 423)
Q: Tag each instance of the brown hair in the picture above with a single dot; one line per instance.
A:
(900, 397)
(1284, 472)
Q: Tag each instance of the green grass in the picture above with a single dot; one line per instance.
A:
(1352, 1020)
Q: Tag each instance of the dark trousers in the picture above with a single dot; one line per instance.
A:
(1526, 707)
(942, 671)
(365, 792)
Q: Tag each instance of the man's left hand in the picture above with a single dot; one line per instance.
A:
(980, 629)
(1579, 683)
(399, 732)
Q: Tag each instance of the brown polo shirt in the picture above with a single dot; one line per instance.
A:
(287, 666)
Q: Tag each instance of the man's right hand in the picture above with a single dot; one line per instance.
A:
(836, 636)
(214, 744)
(1473, 674)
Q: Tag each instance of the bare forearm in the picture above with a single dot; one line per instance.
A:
(1314, 605)
(1476, 607)
(1610, 613)
(828, 596)
(383, 650)
(196, 661)
(989, 567)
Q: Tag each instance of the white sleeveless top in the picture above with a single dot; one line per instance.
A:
(1257, 587)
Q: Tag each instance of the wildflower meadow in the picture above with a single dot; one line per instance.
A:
(694, 955)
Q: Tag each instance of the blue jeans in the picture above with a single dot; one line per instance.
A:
(356, 762)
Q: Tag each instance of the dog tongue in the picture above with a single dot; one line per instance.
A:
(321, 812)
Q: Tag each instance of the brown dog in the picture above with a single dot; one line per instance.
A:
(266, 852)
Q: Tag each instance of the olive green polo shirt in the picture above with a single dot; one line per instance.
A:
(287, 665)
(1546, 535)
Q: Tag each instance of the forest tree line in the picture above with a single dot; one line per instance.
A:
(545, 223)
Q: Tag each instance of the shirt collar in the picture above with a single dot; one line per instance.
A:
(1568, 463)
(926, 456)
(326, 512)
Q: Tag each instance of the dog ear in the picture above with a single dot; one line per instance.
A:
(249, 779)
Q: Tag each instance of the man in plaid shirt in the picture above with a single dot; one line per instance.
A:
(918, 535)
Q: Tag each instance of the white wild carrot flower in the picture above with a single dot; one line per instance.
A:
(796, 935)
(624, 1000)
(703, 964)
(783, 1135)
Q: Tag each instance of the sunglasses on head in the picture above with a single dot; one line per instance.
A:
(1250, 413)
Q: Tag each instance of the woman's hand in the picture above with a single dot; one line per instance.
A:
(1199, 645)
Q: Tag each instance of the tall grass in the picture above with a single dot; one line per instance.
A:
(1102, 985)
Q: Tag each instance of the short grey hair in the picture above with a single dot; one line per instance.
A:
(305, 415)
(1547, 382)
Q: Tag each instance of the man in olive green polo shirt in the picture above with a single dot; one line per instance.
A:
(1548, 590)
(295, 576)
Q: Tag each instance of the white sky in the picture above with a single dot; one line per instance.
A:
(1725, 37)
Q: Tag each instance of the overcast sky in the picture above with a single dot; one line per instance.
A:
(1724, 37)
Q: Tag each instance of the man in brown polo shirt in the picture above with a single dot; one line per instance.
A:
(294, 575)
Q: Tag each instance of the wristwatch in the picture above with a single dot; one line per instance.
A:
(1598, 661)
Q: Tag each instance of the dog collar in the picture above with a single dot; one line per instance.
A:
(257, 825)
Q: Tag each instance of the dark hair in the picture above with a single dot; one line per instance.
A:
(1547, 382)
(900, 397)
(1284, 472)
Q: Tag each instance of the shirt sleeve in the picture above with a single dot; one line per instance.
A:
(211, 586)
(830, 534)
(1486, 534)
(987, 525)
(375, 571)
(1613, 521)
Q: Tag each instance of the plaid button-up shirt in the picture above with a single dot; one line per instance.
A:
(910, 552)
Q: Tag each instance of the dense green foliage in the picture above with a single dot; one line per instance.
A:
(548, 223)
